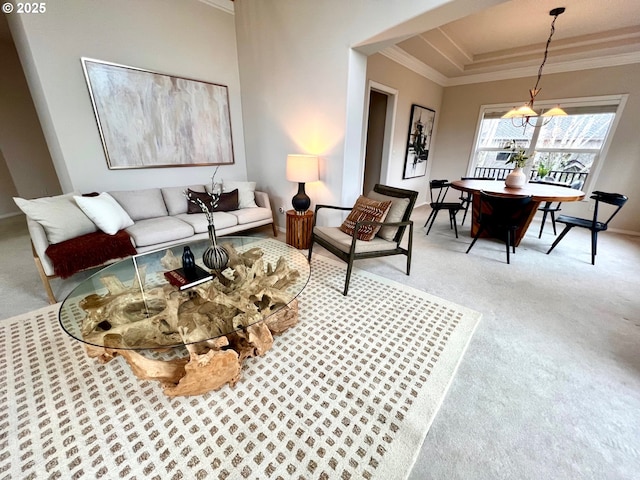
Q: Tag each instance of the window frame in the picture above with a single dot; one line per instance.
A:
(617, 101)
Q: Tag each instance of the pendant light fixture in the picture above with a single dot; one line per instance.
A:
(522, 116)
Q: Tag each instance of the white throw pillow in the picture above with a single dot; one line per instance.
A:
(59, 216)
(246, 192)
(105, 212)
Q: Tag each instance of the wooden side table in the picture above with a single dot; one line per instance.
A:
(299, 228)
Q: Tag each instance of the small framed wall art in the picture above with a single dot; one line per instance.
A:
(148, 119)
(419, 141)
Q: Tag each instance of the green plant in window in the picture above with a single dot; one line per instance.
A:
(545, 165)
(519, 158)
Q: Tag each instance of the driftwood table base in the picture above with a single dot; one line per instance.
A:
(238, 311)
(211, 364)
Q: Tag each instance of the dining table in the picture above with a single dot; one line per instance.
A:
(540, 192)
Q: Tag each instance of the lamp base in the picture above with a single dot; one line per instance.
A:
(301, 200)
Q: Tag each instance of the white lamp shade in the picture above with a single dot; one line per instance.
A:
(302, 168)
(555, 112)
(523, 111)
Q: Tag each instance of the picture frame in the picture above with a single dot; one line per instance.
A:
(418, 141)
(150, 120)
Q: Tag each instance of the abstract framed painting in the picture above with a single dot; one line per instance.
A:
(419, 141)
(148, 119)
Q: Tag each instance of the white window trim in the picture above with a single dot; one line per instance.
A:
(598, 162)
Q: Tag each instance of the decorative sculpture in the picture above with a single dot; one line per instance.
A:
(214, 257)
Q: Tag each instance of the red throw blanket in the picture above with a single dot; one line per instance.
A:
(87, 251)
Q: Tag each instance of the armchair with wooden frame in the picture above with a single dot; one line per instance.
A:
(387, 242)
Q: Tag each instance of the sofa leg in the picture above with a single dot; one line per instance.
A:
(45, 281)
(275, 229)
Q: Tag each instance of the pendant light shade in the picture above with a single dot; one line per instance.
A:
(526, 112)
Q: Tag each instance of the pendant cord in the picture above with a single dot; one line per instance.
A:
(546, 50)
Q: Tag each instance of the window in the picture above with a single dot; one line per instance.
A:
(564, 149)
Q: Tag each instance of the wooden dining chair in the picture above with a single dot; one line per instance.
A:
(438, 190)
(593, 224)
(501, 216)
(551, 208)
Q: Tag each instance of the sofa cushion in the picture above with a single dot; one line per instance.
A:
(141, 204)
(60, 217)
(343, 241)
(175, 200)
(158, 230)
(246, 195)
(248, 215)
(105, 212)
(199, 222)
(396, 212)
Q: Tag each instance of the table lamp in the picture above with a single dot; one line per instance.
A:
(302, 169)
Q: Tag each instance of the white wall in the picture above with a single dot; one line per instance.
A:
(186, 38)
(461, 107)
(25, 164)
(412, 88)
(303, 86)
(8, 190)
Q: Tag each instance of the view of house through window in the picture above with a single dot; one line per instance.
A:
(561, 149)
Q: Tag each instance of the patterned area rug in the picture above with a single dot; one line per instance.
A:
(350, 392)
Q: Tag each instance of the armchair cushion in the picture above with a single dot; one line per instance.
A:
(369, 210)
(396, 213)
(342, 241)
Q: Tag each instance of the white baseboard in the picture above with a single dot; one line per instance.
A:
(624, 232)
(12, 214)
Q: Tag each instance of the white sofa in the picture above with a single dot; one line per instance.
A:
(160, 219)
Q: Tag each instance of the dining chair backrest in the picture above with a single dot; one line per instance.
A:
(438, 190)
(503, 215)
(616, 199)
(504, 211)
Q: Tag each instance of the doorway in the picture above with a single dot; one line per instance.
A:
(380, 122)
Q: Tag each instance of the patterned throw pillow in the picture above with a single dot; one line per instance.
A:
(203, 197)
(226, 203)
(365, 209)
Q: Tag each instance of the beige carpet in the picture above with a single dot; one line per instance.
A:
(350, 392)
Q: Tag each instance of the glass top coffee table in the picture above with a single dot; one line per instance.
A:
(191, 340)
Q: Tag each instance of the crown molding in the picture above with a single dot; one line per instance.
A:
(412, 63)
(401, 57)
(224, 5)
(569, 66)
